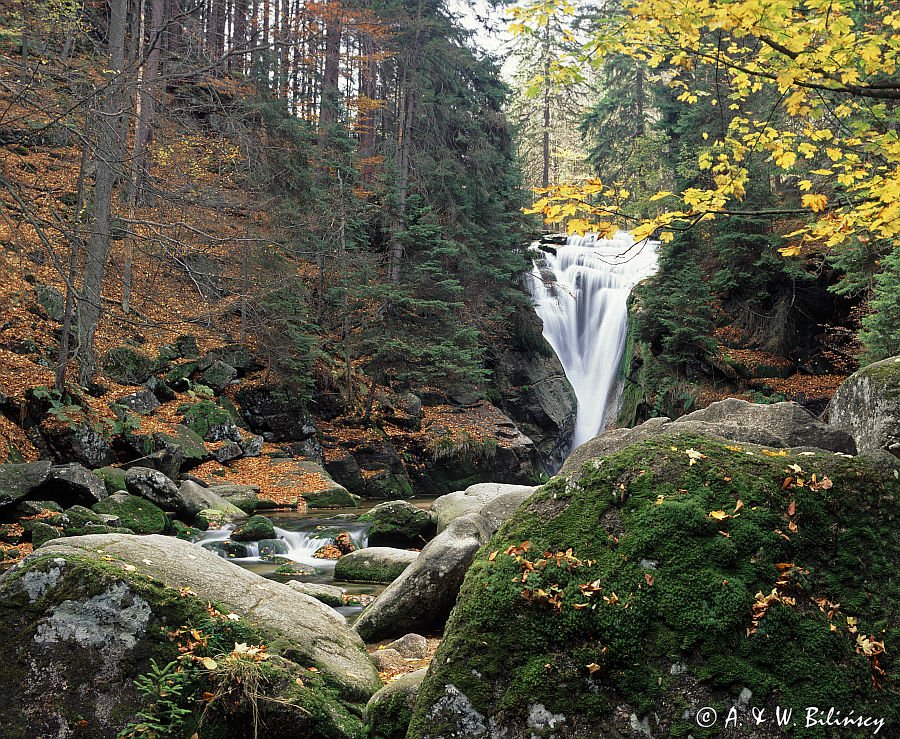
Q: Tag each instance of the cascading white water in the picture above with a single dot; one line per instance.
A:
(302, 542)
(581, 294)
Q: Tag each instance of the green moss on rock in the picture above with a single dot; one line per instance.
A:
(254, 529)
(113, 478)
(627, 574)
(135, 513)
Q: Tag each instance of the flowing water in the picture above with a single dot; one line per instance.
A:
(581, 294)
(303, 535)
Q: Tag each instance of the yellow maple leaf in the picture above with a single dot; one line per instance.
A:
(791, 251)
(814, 201)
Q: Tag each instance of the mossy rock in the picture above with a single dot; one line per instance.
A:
(201, 416)
(41, 532)
(374, 564)
(183, 531)
(77, 517)
(333, 496)
(51, 300)
(135, 513)
(179, 377)
(254, 529)
(127, 366)
(113, 478)
(109, 606)
(227, 549)
(677, 573)
(397, 521)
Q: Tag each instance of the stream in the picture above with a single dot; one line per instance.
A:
(304, 535)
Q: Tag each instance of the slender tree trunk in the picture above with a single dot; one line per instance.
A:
(62, 362)
(331, 94)
(545, 173)
(239, 35)
(407, 115)
(108, 158)
(366, 117)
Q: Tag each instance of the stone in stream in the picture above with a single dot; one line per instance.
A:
(193, 498)
(254, 529)
(272, 548)
(374, 564)
(473, 499)
(330, 595)
(81, 619)
(424, 593)
(397, 522)
(422, 597)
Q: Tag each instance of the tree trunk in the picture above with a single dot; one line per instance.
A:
(65, 334)
(108, 158)
(407, 115)
(239, 34)
(331, 94)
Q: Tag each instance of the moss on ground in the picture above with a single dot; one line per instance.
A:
(653, 579)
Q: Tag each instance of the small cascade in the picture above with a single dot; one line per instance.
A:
(303, 540)
(581, 293)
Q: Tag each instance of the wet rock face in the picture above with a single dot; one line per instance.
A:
(535, 393)
(867, 406)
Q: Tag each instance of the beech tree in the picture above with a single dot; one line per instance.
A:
(831, 68)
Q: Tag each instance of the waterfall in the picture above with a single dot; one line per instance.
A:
(581, 293)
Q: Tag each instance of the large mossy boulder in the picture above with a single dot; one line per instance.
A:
(776, 425)
(137, 514)
(867, 406)
(84, 618)
(678, 573)
(374, 564)
(397, 523)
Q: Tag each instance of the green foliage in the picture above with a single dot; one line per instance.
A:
(881, 329)
(675, 316)
(163, 690)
